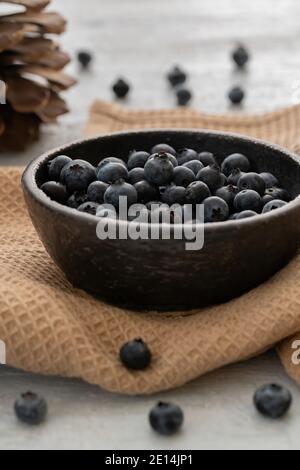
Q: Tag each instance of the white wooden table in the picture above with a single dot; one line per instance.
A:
(141, 40)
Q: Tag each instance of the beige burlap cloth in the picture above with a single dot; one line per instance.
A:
(51, 328)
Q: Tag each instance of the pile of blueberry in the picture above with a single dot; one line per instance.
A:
(163, 177)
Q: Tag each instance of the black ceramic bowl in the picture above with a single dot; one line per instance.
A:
(162, 274)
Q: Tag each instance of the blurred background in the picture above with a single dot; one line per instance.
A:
(141, 40)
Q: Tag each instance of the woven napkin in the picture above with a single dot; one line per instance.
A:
(51, 328)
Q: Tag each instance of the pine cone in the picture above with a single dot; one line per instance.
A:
(31, 66)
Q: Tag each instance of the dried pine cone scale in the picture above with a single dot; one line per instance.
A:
(32, 48)
(25, 95)
(12, 33)
(51, 23)
(58, 79)
(55, 107)
(54, 59)
(31, 64)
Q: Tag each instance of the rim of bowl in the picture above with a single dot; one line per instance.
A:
(30, 184)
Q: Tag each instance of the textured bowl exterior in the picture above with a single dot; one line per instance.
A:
(162, 274)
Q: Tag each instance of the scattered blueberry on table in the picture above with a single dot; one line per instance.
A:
(84, 58)
(176, 76)
(236, 95)
(240, 56)
(229, 188)
(166, 418)
(135, 355)
(31, 408)
(121, 88)
(183, 95)
(273, 400)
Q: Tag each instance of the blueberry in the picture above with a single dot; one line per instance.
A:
(56, 165)
(196, 192)
(162, 189)
(159, 169)
(171, 157)
(166, 418)
(137, 160)
(236, 160)
(146, 191)
(183, 176)
(186, 155)
(240, 56)
(163, 148)
(269, 179)
(215, 209)
(194, 165)
(77, 199)
(77, 175)
(252, 181)
(278, 193)
(267, 198)
(235, 176)
(135, 355)
(96, 190)
(107, 160)
(273, 401)
(272, 205)
(207, 158)
(84, 58)
(112, 172)
(31, 408)
(135, 175)
(227, 193)
(56, 191)
(174, 195)
(176, 76)
(120, 189)
(236, 95)
(88, 208)
(183, 95)
(121, 88)
(245, 215)
(248, 200)
(212, 177)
